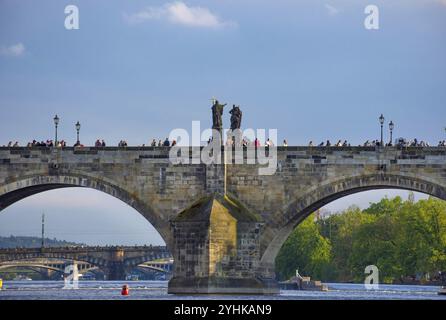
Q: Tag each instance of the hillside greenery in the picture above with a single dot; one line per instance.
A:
(32, 242)
(403, 238)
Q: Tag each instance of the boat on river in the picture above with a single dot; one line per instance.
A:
(299, 282)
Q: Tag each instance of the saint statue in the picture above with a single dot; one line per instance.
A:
(236, 117)
(217, 113)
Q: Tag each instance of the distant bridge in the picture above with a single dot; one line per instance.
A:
(47, 266)
(115, 262)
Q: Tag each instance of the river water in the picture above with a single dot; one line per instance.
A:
(110, 290)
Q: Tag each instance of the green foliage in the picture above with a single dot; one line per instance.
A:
(32, 242)
(305, 250)
(402, 238)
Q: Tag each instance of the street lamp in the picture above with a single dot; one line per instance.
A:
(56, 123)
(78, 127)
(391, 126)
(381, 121)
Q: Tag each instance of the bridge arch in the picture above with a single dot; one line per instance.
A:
(153, 268)
(46, 267)
(36, 265)
(56, 255)
(331, 190)
(55, 266)
(13, 191)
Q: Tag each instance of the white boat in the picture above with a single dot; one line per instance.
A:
(442, 291)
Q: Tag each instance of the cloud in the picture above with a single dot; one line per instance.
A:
(332, 11)
(15, 50)
(179, 13)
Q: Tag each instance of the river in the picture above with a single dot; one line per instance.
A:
(110, 290)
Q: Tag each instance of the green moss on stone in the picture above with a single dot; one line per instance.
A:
(201, 210)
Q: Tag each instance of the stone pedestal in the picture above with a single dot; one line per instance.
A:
(217, 249)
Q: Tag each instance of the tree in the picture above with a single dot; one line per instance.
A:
(306, 250)
(402, 238)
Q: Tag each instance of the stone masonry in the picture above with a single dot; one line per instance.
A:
(306, 179)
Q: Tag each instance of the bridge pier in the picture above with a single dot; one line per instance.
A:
(49, 274)
(117, 271)
(217, 250)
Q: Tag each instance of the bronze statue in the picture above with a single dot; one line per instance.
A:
(217, 113)
(236, 117)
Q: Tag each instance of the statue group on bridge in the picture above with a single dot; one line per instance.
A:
(217, 113)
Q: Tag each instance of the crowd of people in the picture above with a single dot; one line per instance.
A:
(165, 143)
(100, 143)
(400, 143)
(340, 143)
(35, 143)
(122, 143)
(376, 143)
(246, 142)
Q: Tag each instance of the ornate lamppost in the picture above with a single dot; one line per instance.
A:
(78, 128)
(381, 121)
(56, 123)
(391, 127)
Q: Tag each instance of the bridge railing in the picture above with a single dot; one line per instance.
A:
(166, 149)
(83, 248)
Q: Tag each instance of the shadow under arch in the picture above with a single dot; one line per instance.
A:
(27, 186)
(317, 197)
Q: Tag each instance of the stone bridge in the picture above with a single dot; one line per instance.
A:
(115, 262)
(49, 268)
(52, 268)
(224, 224)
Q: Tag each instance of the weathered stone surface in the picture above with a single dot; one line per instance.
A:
(306, 179)
(217, 242)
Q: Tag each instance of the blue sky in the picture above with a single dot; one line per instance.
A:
(135, 70)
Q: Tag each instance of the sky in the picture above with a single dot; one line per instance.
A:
(136, 70)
